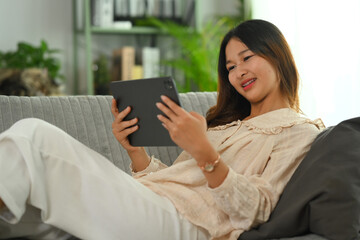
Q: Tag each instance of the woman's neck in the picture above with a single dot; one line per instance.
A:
(261, 108)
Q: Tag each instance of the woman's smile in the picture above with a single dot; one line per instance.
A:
(247, 84)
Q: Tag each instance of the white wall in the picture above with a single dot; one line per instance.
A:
(34, 20)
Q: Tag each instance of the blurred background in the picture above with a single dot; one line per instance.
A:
(68, 47)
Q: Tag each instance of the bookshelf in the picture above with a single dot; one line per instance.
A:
(89, 31)
(133, 30)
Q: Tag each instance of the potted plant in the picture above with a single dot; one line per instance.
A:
(197, 53)
(101, 75)
(33, 69)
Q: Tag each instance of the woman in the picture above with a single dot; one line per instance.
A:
(235, 165)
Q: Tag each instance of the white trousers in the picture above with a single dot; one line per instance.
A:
(77, 190)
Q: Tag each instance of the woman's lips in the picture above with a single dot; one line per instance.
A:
(247, 84)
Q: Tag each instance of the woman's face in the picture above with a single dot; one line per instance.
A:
(252, 76)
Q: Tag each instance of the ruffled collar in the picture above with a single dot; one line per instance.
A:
(273, 122)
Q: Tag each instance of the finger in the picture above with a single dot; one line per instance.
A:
(167, 111)
(123, 135)
(124, 124)
(165, 121)
(114, 109)
(172, 105)
(163, 124)
(120, 117)
(124, 127)
(129, 131)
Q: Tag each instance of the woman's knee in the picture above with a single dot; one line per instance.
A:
(31, 127)
(29, 122)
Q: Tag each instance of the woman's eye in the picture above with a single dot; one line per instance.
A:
(247, 58)
(231, 68)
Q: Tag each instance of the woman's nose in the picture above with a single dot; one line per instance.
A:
(240, 71)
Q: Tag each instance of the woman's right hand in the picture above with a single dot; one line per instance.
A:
(122, 129)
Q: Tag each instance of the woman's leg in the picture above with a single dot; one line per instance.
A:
(78, 190)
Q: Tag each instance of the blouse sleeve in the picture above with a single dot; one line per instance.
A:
(249, 200)
(154, 165)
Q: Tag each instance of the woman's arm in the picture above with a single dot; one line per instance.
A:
(188, 131)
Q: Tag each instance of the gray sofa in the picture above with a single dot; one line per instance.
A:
(89, 119)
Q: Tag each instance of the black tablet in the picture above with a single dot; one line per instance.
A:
(142, 95)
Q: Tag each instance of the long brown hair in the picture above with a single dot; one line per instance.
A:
(264, 39)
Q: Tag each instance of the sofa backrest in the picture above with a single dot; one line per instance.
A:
(88, 119)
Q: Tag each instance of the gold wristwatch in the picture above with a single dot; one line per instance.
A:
(210, 166)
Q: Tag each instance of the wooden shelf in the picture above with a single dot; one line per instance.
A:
(133, 30)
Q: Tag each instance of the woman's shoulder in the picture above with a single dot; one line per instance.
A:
(277, 121)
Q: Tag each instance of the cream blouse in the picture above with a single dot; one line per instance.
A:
(262, 154)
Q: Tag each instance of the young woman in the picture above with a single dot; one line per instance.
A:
(234, 167)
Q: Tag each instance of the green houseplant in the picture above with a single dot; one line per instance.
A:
(30, 70)
(198, 53)
(101, 75)
(30, 56)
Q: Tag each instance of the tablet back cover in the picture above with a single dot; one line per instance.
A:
(142, 95)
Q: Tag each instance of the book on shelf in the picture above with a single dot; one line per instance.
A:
(123, 63)
(122, 24)
(189, 15)
(121, 8)
(151, 62)
(122, 13)
(124, 66)
(137, 72)
(102, 12)
(127, 63)
(135, 9)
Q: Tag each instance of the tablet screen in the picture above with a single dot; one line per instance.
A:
(142, 95)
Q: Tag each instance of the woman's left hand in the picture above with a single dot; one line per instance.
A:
(186, 129)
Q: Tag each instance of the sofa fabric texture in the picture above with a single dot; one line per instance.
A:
(303, 208)
(89, 119)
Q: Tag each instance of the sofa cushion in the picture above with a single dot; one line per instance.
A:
(323, 196)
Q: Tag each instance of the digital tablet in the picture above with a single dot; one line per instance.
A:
(142, 95)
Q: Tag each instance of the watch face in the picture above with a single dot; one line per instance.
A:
(209, 167)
